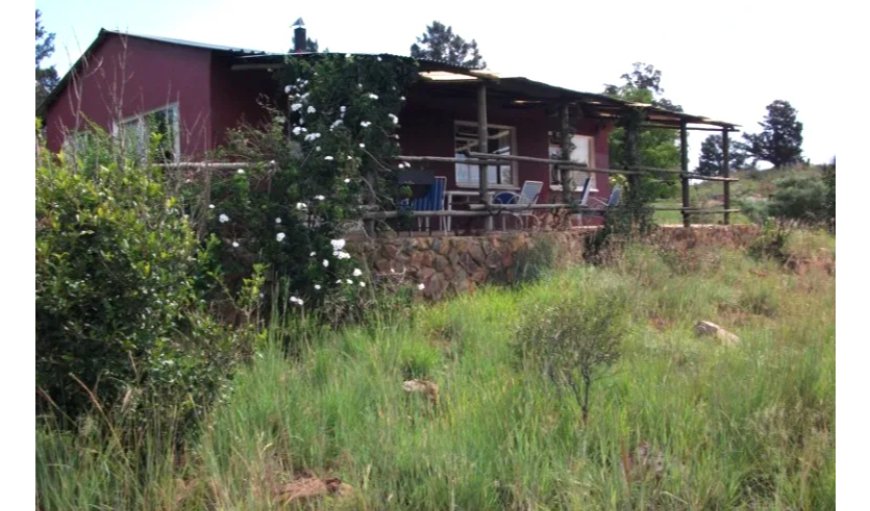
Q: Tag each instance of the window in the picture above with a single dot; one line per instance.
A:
(153, 134)
(501, 140)
(583, 152)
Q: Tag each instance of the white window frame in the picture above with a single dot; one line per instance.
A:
(475, 171)
(142, 137)
(579, 176)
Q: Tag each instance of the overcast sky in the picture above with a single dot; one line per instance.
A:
(726, 60)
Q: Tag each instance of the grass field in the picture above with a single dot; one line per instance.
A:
(753, 185)
(678, 422)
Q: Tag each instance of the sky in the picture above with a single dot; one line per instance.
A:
(726, 60)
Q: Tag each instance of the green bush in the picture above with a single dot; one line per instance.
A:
(573, 339)
(115, 301)
(799, 198)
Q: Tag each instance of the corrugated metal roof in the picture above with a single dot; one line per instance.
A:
(183, 42)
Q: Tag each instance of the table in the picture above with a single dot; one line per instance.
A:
(450, 194)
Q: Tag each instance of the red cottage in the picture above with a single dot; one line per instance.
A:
(194, 92)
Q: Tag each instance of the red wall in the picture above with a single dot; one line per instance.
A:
(157, 74)
(235, 96)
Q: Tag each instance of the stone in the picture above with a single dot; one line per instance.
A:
(708, 328)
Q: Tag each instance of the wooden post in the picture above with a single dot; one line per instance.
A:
(726, 172)
(684, 165)
(566, 146)
(483, 147)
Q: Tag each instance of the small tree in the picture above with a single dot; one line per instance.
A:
(781, 137)
(710, 163)
(46, 78)
(440, 43)
(573, 340)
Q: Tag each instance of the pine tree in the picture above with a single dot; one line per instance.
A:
(781, 137)
(46, 78)
(710, 162)
(440, 43)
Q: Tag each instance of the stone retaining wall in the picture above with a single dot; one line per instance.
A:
(447, 265)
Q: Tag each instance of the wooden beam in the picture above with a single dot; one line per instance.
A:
(483, 147)
(684, 165)
(726, 185)
(565, 145)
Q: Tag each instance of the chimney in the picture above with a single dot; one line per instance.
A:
(299, 39)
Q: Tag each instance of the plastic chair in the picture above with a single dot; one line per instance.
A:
(432, 201)
(528, 195)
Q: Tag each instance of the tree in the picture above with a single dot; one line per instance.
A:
(710, 163)
(46, 78)
(781, 137)
(440, 43)
(656, 147)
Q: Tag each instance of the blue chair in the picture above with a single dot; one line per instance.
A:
(432, 201)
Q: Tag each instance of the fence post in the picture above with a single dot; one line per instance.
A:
(684, 165)
(726, 172)
(483, 147)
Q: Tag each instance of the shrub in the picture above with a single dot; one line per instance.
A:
(115, 255)
(572, 340)
(799, 198)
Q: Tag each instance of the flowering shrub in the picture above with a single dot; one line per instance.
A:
(115, 301)
(306, 178)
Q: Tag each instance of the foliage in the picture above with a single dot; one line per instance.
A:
(116, 310)
(781, 137)
(771, 243)
(573, 339)
(655, 147)
(710, 162)
(829, 177)
(440, 43)
(46, 77)
(800, 197)
(304, 180)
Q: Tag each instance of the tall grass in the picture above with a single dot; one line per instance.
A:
(678, 422)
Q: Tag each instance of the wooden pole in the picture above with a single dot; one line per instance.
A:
(566, 146)
(684, 165)
(726, 185)
(483, 147)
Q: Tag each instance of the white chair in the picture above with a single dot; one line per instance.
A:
(528, 195)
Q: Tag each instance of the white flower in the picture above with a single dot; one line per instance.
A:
(287, 89)
(301, 206)
(337, 244)
(421, 286)
(311, 109)
(317, 149)
(326, 263)
(362, 145)
(312, 137)
(341, 254)
(280, 237)
(319, 197)
(278, 220)
(297, 301)
(365, 124)
(349, 157)
(362, 284)
(372, 95)
(338, 281)
(394, 118)
(271, 162)
(328, 158)
(296, 107)
(235, 244)
(347, 180)
(240, 171)
(342, 109)
(312, 254)
(402, 98)
(211, 206)
(357, 272)
(300, 302)
(317, 287)
(223, 218)
(349, 281)
(336, 124)
(299, 130)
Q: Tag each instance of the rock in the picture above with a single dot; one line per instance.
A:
(308, 487)
(712, 329)
(425, 387)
